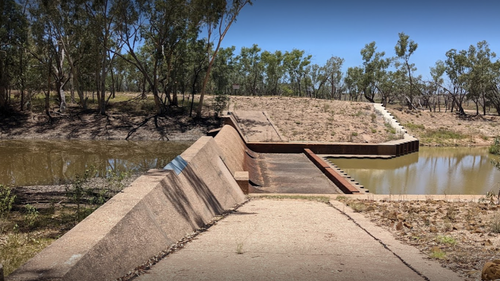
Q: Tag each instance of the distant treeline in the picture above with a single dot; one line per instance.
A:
(153, 47)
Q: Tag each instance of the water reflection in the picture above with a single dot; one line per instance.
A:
(29, 162)
(431, 171)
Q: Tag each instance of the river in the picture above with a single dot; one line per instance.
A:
(48, 162)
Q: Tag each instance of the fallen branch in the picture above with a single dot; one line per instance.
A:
(131, 132)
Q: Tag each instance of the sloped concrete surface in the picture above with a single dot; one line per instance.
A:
(295, 240)
(158, 209)
(293, 173)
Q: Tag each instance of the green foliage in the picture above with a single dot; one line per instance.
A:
(220, 103)
(77, 191)
(449, 240)
(6, 200)
(30, 216)
(495, 147)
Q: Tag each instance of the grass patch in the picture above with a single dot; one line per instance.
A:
(413, 126)
(357, 207)
(449, 240)
(389, 128)
(322, 199)
(18, 248)
(443, 134)
(437, 253)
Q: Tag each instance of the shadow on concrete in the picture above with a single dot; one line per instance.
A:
(203, 190)
(176, 194)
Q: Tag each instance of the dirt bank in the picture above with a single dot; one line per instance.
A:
(305, 119)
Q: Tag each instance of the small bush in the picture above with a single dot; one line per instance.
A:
(6, 200)
(495, 147)
(220, 102)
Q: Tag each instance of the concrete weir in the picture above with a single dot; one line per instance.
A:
(155, 211)
(162, 206)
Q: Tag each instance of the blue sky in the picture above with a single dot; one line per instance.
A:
(342, 28)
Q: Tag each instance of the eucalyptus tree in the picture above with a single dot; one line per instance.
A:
(251, 69)
(13, 42)
(481, 74)
(295, 64)
(436, 85)
(161, 26)
(404, 49)
(317, 77)
(456, 69)
(354, 82)
(494, 93)
(374, 66)
(223, 68)
(333, 74)
(198, 65)
(217, 16)
(273, 71)
(51, 29)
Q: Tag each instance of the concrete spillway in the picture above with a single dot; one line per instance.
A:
(162, 206)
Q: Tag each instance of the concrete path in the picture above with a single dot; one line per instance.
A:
(258, 127)
(296, 240)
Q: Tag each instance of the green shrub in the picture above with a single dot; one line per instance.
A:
(495, 147)
(6, 200)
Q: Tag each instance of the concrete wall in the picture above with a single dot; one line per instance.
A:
(156, 210)
(237, 156)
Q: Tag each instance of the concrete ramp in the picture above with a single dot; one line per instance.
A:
(155, 211)
(257, 126)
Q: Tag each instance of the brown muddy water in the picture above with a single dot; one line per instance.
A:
(430, 171)
(47, 162)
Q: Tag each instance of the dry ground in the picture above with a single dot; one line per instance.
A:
(305, 119)
(428, 127)
(462, 236)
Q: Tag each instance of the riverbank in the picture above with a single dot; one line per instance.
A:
(298, 119)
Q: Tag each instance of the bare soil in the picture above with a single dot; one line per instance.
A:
(305, 119)
(462, 236)
(471, 130)
(122, 122)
